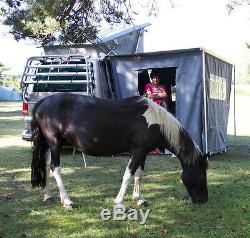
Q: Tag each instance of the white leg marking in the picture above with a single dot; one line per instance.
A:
(46, 194)
(136, 193)
(63, 194)
(127, 177)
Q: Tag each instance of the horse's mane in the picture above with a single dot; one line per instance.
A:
(179, 139)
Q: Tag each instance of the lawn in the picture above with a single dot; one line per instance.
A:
(23, 214)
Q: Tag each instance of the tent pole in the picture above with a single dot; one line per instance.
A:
(234, 107)
(204, 98)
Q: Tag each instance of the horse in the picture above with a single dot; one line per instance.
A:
(104, 127)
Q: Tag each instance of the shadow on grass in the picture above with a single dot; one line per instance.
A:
(94, 189)
(11, 127)
(239, 145)
(226, 213)
(11, 113)
(25, 215)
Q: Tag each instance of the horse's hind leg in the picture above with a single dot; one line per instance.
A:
(46, 195)
(56, 168)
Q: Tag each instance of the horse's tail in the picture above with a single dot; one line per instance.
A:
(39, 150)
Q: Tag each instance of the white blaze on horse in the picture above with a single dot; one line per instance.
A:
(101, 127)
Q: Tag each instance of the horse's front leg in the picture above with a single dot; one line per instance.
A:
(134, 168)
(136, 192)
(127, 177)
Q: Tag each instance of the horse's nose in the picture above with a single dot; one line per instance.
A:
(200, 200)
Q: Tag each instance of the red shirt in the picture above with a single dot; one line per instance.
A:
(153, 90)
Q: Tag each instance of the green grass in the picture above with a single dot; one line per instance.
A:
(23, 214)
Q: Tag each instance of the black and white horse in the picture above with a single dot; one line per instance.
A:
(101, 127)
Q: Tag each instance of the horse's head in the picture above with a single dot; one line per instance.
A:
(194, 177)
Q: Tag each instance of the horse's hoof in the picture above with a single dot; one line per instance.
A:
(49, 200)
(68, 206)
(119, 207)
(145, 203)
(117, 203)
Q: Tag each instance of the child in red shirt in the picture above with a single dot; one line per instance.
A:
(154, 91)
(157, 93)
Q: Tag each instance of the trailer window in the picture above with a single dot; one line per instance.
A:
(218, 87)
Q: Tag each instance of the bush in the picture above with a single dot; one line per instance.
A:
(12, 81)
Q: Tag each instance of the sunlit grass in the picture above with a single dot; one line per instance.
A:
(23, 214)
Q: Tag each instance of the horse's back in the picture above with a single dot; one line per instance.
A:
(75, 105)
(94, 125)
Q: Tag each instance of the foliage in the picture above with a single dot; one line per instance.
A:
(23, 214)
(68, 22)
(74, 21)
(243, 68)
(2, 69)
(232, 4)
(12, 81)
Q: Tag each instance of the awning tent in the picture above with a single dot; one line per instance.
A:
(9, 94)
(203, 86)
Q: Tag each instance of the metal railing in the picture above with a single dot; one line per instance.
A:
(54, 69)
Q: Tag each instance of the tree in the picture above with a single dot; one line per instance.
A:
(232, 4)
(72, 21)
(2, 69)
(11, 81)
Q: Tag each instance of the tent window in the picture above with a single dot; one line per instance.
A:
(167, 78)
(218, 87)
